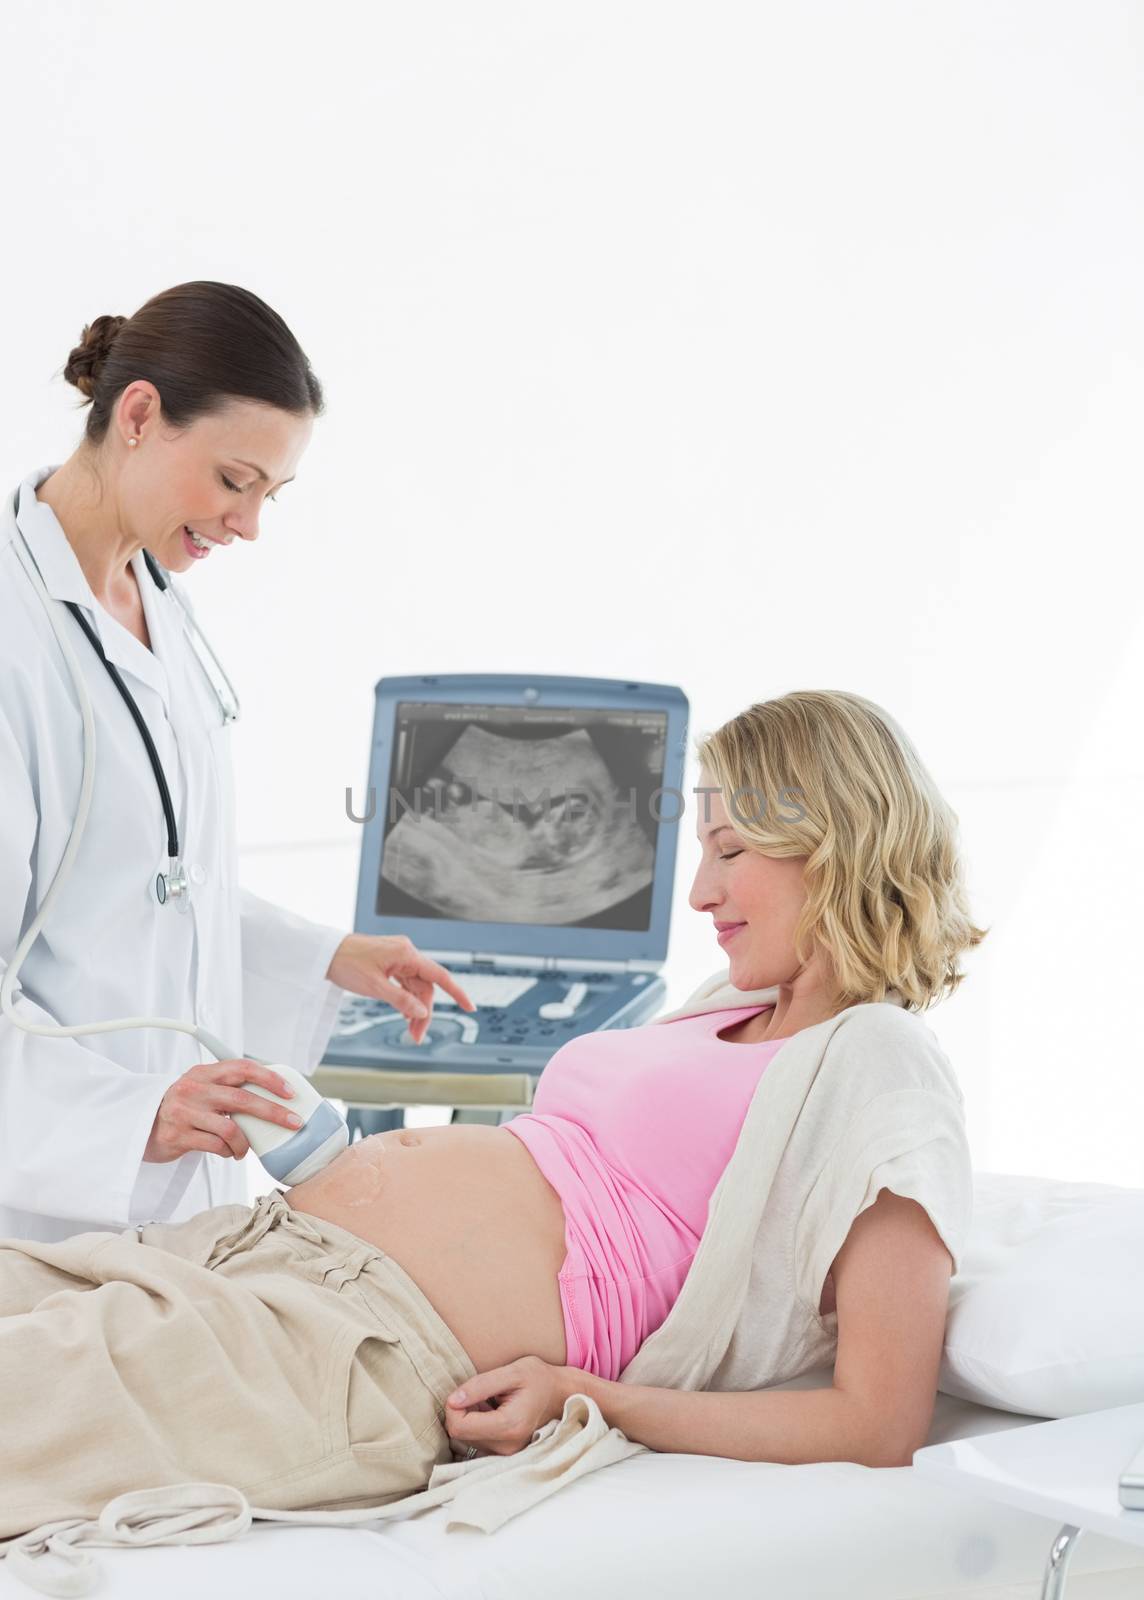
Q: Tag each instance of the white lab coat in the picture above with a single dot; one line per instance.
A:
(76, 1113)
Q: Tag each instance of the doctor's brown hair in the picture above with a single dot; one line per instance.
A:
(886, 898)
(202, 345)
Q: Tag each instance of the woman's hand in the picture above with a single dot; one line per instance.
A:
(390, 967)
(527, 1394)
(196, 1113)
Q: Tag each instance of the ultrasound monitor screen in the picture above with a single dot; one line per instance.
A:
(544, 816)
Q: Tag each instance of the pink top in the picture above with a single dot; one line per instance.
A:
(633, 1128)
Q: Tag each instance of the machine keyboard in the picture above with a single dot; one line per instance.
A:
(487, 989)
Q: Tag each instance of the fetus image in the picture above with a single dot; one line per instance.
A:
(526, 830)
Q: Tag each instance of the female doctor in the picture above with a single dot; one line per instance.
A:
(202, 405)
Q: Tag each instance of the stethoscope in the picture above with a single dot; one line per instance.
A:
(172, 886)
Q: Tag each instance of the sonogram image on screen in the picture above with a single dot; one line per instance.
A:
(501, 815)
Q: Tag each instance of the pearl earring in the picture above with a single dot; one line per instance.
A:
(132, 441)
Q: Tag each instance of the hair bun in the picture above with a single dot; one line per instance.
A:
(88, 356)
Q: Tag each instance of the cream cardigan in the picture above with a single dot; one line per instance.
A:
(864, 1101)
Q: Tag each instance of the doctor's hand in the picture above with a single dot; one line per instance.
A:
(390, 967)
(527, 1394)
(196, 1113)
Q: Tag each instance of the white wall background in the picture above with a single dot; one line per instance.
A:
(751, 347)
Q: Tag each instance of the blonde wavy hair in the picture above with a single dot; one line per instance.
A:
(886, 900)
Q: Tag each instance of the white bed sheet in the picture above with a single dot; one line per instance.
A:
(669, 1526)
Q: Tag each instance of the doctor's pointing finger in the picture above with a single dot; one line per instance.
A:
(116, 710)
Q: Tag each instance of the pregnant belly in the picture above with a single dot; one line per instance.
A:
(471, 1218)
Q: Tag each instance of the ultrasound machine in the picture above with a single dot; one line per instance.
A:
(522, 831)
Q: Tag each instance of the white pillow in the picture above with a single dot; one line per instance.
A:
(1047, 1314)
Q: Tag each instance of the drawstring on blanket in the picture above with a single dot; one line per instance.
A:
(268, 1211)
(47, 1559)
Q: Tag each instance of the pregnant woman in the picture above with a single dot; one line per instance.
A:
(309, 1349)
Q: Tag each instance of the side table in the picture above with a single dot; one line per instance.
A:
(1068, 1469)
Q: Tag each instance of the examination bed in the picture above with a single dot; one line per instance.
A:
(679, 1525)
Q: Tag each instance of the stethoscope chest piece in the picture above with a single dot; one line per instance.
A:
(173, 886)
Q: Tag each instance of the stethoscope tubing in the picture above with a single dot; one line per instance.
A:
(160, 580)
(144, 731)
(159, 577)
